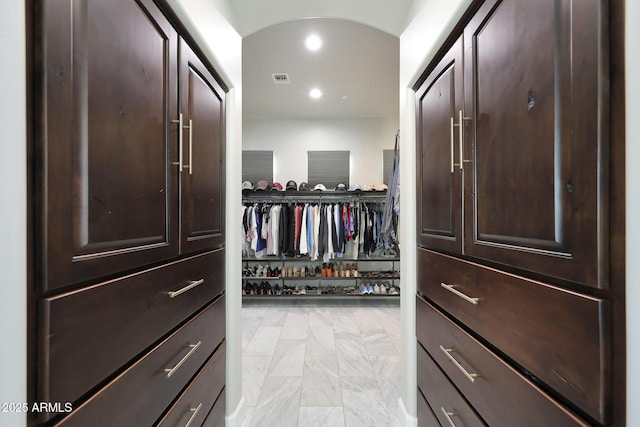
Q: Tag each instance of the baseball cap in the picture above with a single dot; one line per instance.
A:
(304, 186)
(262, 185)
(380, 187)
(276, 186)
(355, 187)
(369, 187)
(341, 187)
(247, 185)
(320, 187)
(291, 185)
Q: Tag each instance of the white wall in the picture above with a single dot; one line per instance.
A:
(290, 139)
(632, 72)
(13, 213)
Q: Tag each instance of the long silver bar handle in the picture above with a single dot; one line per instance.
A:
(193, 416)
(448, 351)
(460, 125)
(192, 284)
(452, 144)
(448, 416)
(451, 289)
(171, 371)
(180, 142)
(190, 147)
(461, 135)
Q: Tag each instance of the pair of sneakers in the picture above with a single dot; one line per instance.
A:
(366, 289)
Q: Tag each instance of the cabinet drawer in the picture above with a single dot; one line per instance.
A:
(157, 378)
(197, 400)
(89, 334)
(447, 404)
(426, 418)
(501, 395)
(216, 417)
(561, 337)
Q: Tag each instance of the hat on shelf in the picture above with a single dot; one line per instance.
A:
(276, 186)
(320, 187)
(291, 185)
(355, 187)
(341, 187)
(369, 187)
(304, 186)
(380, 187)
(262, 185)
(247, 185)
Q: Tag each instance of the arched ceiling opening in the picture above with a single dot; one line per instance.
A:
(356, 69)
(250, 16)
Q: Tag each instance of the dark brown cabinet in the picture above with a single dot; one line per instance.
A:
(108, 194)
(202, 155)
(129, 205)
(523, 129)
(439, 170)
(124, 184)
(537, 183)
(520, 301)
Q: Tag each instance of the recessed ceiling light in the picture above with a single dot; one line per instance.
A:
(315, 93)
(313, 42)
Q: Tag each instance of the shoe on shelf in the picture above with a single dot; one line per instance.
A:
(363, 289)
(376, 289)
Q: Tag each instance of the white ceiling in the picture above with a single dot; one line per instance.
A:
(357, 70)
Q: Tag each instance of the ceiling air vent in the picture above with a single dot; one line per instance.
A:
(280, 78)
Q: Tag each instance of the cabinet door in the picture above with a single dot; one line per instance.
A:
(108, 93)
(535, 86)
(439, 198)
(203, 172)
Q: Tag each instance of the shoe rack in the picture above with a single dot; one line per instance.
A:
(371, 277)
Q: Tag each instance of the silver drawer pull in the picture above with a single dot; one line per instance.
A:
(171, 371)
(448, 416)
(450, 288)
(193, 416)
(192, 284)
(448, 351)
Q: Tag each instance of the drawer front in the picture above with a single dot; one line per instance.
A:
(196, 401)
(502, 396)
(120, 319)
(560, 337)
(216, 417)
(158, 377)
(426, 418)
(447, 404)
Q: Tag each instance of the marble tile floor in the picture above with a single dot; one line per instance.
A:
(321, 365)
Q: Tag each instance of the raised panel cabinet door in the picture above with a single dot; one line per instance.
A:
(105, 100)
(439, 196)
(203, 150)
(537, 133)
